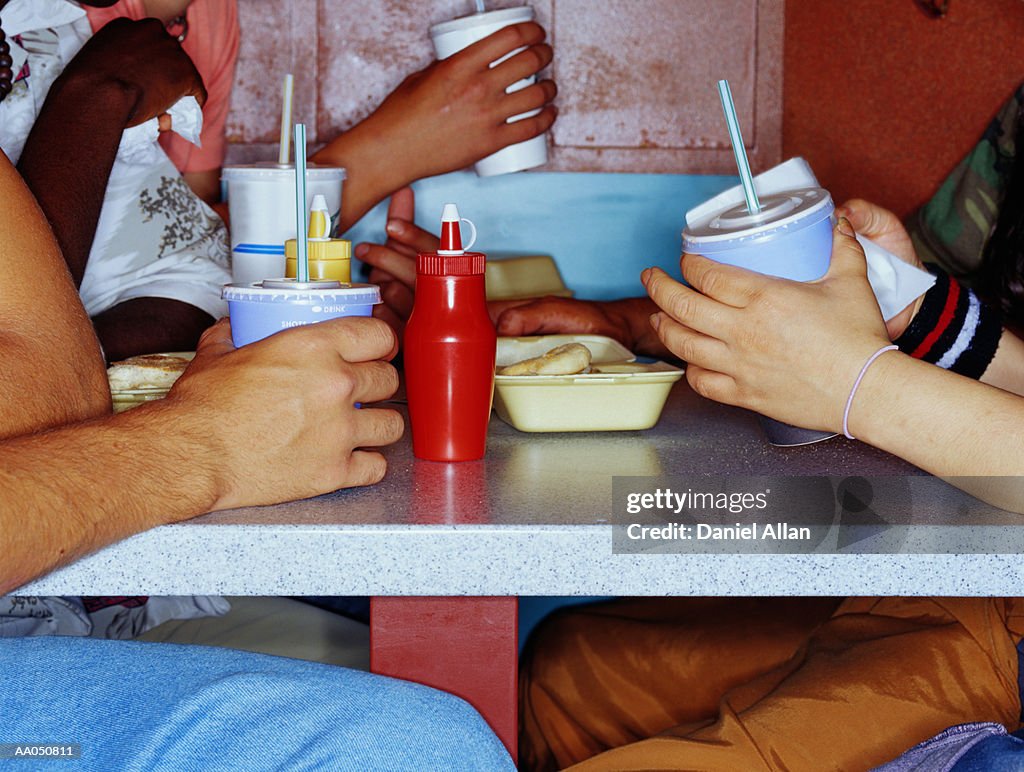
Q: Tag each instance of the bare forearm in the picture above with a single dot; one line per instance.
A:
(949, 425)
(52, 372)
(149, 325)
(68, 156)
(1007, 368)
(205, 184)
(71, 491)
(44, 384)
(371, 172)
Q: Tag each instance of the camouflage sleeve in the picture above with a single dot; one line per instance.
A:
(954, 226)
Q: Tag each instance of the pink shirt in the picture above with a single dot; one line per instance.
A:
(212, 42)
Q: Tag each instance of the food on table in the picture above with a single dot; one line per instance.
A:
(149, 371)
(568, 359)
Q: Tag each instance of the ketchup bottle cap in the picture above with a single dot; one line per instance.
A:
(466, 264)
(451, 258)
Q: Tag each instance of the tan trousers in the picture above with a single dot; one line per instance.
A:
(279, 626)
(722, 684)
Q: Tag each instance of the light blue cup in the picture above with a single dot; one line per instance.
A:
(791, 237)
(260, 309)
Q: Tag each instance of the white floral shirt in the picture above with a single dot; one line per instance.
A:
(155, 237)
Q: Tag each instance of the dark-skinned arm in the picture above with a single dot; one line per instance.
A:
(85, 119)
(126, 74)
(68, 156)
(147, 325)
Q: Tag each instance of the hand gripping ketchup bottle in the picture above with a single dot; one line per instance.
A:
(450, 349)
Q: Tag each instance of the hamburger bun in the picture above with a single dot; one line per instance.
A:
(149, 371)
(569, 359)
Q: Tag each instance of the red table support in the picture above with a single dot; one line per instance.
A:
(466, 646)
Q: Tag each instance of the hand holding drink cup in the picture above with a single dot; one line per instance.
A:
(315, 344)
(787, 234)
(461, 109)
(491, 33)
(786, 349)
(293, 431)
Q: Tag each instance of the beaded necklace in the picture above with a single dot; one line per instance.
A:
(6, 65)
(178, 28)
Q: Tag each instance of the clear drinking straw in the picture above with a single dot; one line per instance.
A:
(738, 149)
(301, 233)
(480, 6)
(284, 148)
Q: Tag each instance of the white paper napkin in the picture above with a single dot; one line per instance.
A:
(895, 283)
(27, 15)
(138, 144)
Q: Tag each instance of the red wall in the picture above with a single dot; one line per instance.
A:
(884, 101)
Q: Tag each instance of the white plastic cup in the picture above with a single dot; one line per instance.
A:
(449, 38)
(261, 203)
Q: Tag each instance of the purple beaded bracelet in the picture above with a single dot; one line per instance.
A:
(856, 385)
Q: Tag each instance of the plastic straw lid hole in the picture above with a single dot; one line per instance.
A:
(773, 207)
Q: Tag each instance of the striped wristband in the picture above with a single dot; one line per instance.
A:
(953, 329)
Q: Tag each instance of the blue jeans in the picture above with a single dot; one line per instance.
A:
(977, 747)
(999, 753)
(160, 706)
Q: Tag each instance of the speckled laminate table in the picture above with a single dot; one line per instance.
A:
(533, 519)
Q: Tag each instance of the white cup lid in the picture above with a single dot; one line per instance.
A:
(778, 210)
(274, 170)
(506, 16)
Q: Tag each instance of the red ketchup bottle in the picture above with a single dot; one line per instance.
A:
(450, 349)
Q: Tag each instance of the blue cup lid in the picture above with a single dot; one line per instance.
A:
(311, 292)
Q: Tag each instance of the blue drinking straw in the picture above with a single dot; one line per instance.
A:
(738, 150)
(301, 223)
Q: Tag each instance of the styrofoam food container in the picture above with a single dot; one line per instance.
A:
(524, 276)
(624, 395)
(126, 400)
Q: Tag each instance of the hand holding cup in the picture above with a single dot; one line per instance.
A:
(454, 112)
(280, 414)
(885, 229)
(789, 350)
